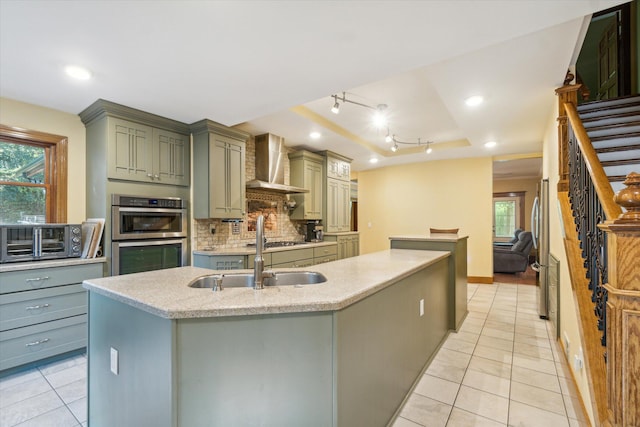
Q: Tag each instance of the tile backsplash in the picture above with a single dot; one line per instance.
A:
(278, 225)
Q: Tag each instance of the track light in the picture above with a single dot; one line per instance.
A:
(394, 148)
(336, 107)
(428, 150)
(388, 139)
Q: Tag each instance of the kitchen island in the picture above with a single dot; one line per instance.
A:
(340, 353)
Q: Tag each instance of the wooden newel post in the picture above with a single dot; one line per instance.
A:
(566, 94)
(623, 308)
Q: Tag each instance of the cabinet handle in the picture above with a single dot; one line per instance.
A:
(37, 279)
(150, 175)
(156, 176)
(37, 307)
(31, 344)
(240, 261)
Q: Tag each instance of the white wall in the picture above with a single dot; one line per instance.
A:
(409, 199)
(32, 117)
(569, 316)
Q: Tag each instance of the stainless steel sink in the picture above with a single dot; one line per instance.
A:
(245, 280)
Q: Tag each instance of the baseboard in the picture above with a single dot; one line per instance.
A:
(480, 279)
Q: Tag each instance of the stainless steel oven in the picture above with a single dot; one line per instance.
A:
(137, 256)
(147, 233)
(134, 218)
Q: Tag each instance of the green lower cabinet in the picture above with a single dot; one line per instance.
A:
(290, 258)
(221, 262)
(348, 244)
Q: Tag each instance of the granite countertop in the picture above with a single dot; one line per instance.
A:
(165, 293)
(252, 250)
(436, 237)
(63, 262)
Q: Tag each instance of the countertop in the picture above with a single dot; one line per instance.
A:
(165, 293)
(252, 250)
(436, 237)
(32, 265)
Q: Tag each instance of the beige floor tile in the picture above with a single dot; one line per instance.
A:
(29, 408)
(437, 389)
(501, 326)
(532, 331)
(465, 336)
(491, 367)
(456, 344)
(19, 377)
(532, 350)
(562, 369)
(73, 391)
(538, 397)
(496, 354)
(486, 382)
(496, 333)
(485, 404)
(443, 369)
(574, 408)
(67, 376)
(403, 422)
(526, 339)
(462, 418)
(79, 409)
(61, 365)
(534, 363)
(535, 378)
(472, 327)
(498, 343)
(59, 417)
(522, 415)
(426, 412)
(567, 386)
(23, 390)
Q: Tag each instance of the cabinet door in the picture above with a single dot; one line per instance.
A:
(344, 206)
(236, 180)
(226, 171)
(130, 151)
(332, 222)
(313, 200)
(171, 157)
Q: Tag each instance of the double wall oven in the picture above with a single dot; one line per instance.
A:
(147, 233)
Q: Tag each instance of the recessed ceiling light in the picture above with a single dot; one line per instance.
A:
(77, 72)
(315, 135)
(490, 144)
(474, 101)
(373, 160)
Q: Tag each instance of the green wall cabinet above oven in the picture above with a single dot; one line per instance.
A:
(306, 170)
(139, 146)
(218, 171)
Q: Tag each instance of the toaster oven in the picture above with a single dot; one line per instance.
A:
(39, 242)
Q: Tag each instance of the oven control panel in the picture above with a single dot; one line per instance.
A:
(146, 202)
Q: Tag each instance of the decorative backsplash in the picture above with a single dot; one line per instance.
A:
(278, 225)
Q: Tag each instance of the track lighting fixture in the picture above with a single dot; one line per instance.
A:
(379, 120)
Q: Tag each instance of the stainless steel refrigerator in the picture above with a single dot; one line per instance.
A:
(540, 233)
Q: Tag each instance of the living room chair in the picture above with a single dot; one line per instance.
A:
(514, 259)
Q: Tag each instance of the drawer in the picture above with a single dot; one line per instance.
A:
(324, 251)
(43, 305)
(295, 264)
(327, 258)
(219, 262)
(31, 343)
(288, 256)
(39, 278)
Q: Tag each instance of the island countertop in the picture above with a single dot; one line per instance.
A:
(165, 293)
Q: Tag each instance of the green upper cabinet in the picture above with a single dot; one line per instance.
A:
(337, 184)
(138, 146)
(218, 171)
(306, 171)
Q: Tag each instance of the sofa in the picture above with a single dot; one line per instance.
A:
(514, 259)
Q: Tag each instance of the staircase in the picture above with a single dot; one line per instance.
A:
(614, 129)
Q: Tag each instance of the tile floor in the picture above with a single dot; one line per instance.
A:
(502, 368)
(53, 394)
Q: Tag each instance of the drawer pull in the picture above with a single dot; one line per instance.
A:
(37, 279)
(31, 344)
(37, 307)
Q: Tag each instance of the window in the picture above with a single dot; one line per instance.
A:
(508, 214)
(33, 176)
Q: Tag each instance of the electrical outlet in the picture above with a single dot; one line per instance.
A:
(422, 307)
(114, 361)
(578, 362)
(212, 229)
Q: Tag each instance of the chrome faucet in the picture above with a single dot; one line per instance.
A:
(258, 264)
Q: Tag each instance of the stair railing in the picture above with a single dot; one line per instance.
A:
(592, 203)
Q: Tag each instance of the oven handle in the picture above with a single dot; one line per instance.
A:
(150, 242)
(150, 210)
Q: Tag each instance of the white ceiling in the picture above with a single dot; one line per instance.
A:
(248, 63)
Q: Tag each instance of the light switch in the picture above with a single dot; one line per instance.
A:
(114, 361)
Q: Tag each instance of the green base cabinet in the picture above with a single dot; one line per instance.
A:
(43, 312)
(457, 267)
(348, 243)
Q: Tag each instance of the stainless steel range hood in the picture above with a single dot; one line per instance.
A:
(270, 152)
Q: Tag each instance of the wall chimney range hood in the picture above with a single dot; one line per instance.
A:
(270, 152)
